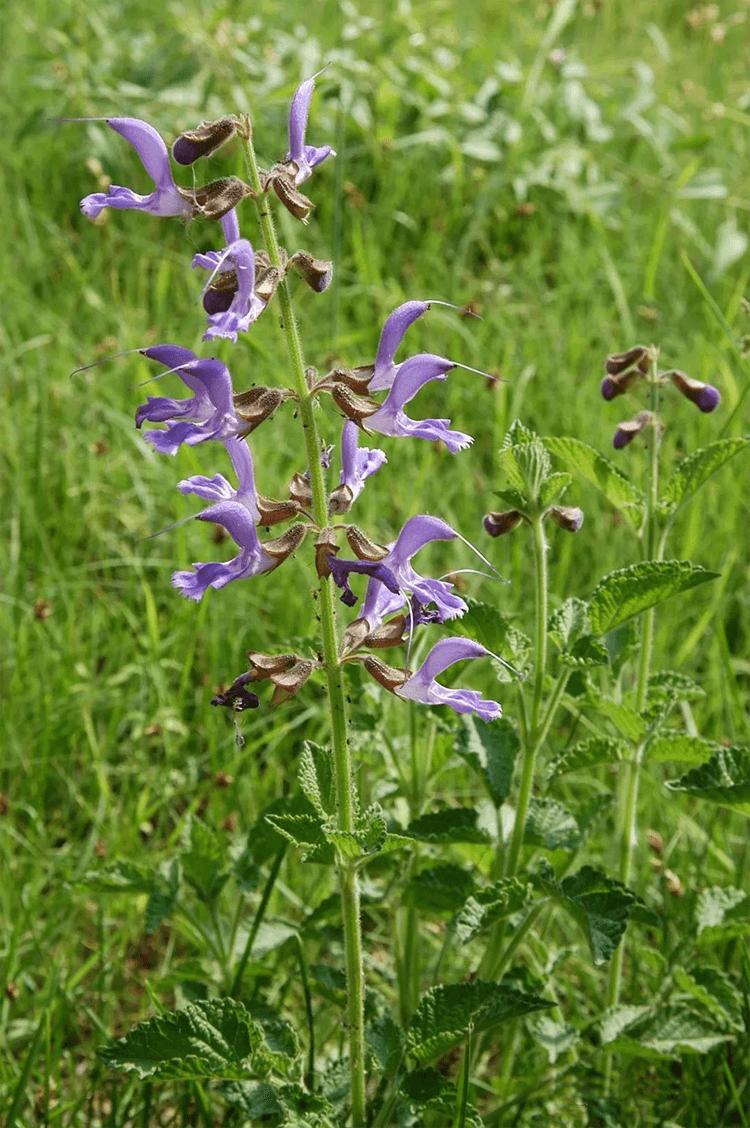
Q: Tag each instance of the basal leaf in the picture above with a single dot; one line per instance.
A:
(430, 1094)
(446, 1014)
(486, 906)
(588, 754)
(213, 1038)
(696, 469)
(385, 1041)
(593, 467)
(491, 750)
(670, 1031)
(551, 825)
(716, 992)
(439, 889)
(601, 905)
(724, 779)
(722, 911)
(453, 824)
(632, 590)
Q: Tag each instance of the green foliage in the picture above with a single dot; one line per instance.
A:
(316, 777)
(667, 1031)
(447, 1013)
(491, 750)
(695, 470)
(589, 753)
(722, 912)
(598, 471)
(724, 779)
(551, 825)
(202, 858)
(629, 591)
(486, 907)
(453, 824)
(439, 889)
(214, 1039)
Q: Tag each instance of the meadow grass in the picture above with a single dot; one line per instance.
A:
(561, 180)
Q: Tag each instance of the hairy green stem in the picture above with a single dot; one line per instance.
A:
(653, 549)
(345, 806)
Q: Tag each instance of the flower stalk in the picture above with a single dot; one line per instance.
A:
(345, 803)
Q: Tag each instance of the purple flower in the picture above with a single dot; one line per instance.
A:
(207, 414)
(423, 687)
(390, 418)
(219, 489)
(305, 157)
(393, 581)
(391, 336)
(252, 559)
(357, 465)
(166, 198)
(229, 298)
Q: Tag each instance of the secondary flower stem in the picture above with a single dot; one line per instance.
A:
(535, 717)
(348, 880)
(653, 550)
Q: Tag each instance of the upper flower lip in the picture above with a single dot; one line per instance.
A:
(208, 414)
(305, 157)
(423, 687)
(390, 418)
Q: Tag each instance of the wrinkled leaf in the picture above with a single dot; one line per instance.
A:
(724, 779)
(588, 754)
(491, 750)
(696, 469)
(632, 590)
(487, 906)
(453, 824)
(593, 467)
(551, 825)
(439, 889)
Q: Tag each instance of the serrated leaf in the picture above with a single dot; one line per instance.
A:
(429, 1093)
(551, 825)
(315, 773)
(304, 831)
(439, 889)
(625, 719)
(680, 746)
(600, 904)
(586, 653)
(213, 1038)
(385, 1041)
(202, 859)
(724, 779)
(487, 906)
(593, 467)
(588, 754)
(447, 1013)
(669, 685)
(453, 824)
(263, 837)
(722, 911)
(553, 487)
(696, 469)
(556, 1038)
(491, 750)
(120, 877)
(629, 591)
(568, 622)
(278, 1034)
(716, 992)
(287, 1106)
(671, 1031)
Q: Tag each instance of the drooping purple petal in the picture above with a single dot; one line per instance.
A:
(252, 560)
(423, 687)
(390, 418)
(165, 200)
(245, 306)
(208, 414)
(357, 464)
(390, 338)
(305, 157)
(376, 569)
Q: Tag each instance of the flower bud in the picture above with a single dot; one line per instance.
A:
(206, 139)
(353, 406)
(705, 396)
(285, 545)
(628, 430)
(636, 358)
(283, 185)
(300, 490)
(568, 517)
(498, 524)
(290, 682)
(237, 697)
(325, 545)
(316, 272)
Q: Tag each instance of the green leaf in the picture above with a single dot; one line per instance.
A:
(670, 1031)
(716, 992)
(202, 859)
(696, 469)
(556, 1038)
(553, 488)
(447, 1013)
(594, 468)
(568, 622)
(722, 912)
(429, 1093)
(385, 1041)
(487, 906)
(120, 877)
(679, 746)
(163, 896)
(484, 624)
(625, 719)
(213, 1038)
(315, 773)
(369, 836)
(669, 685)
(306, 832)
(524, 460)
(439, 889)
(491, 750)
(632, 590)
(588, 754)
(585, 654)
(724, 779)
(263, 837)
(551, 825)
(286, 1106)
(601, 905)
(453, 824)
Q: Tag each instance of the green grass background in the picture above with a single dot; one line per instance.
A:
(626, 127)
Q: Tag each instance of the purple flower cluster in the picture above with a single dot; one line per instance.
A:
(239, 283)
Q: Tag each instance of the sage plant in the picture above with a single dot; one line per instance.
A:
(240, 280)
